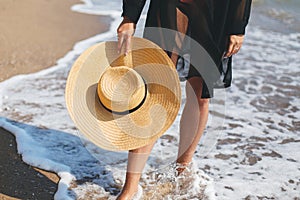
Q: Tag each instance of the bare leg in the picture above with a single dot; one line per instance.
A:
(138, 157)
(136, 161)
(193, 120)
(195, 113)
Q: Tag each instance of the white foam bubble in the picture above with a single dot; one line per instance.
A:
(257, 140)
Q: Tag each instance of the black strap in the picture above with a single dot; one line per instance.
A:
(127, 111)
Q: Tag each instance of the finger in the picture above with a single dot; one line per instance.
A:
(127, 44)
(229, 50)
(120, 42)
(236, 49)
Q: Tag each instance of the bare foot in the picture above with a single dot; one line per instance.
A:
(180, 167)
(127, 194)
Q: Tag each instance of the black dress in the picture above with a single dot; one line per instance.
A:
(198, 28)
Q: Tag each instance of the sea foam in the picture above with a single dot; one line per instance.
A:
(248, 151)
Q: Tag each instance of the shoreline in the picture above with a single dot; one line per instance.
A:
(40, 33)
(34, 39)
(24, 181)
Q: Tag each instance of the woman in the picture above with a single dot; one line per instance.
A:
(216, 25)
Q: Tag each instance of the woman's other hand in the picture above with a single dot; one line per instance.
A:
(235, 44)
(125, 32)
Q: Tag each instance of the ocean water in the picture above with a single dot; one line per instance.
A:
(250, 149)
(277, 15)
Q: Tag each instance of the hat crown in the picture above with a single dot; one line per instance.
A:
(121, 89)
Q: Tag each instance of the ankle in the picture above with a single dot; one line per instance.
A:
(183, 166)
(184, 161)
(130, 190)
(128, 193)
(180, 167)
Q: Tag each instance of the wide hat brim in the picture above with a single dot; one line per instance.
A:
(145, 125)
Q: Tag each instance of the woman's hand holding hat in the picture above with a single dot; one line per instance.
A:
(125, 32)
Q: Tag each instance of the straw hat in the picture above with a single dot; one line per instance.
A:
(123, 102)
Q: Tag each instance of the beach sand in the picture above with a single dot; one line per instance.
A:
(34, 35)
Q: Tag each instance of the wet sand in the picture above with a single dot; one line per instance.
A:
(34, 35)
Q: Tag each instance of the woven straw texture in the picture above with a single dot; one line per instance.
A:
(118, 132)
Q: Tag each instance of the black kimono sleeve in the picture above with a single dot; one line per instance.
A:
(133, 9)
(239, 13)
